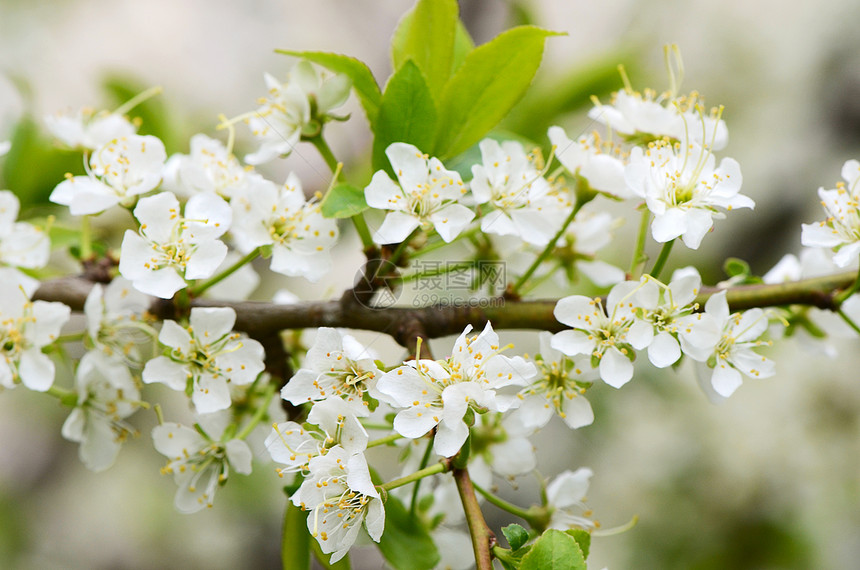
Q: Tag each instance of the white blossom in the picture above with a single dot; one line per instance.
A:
(281, 217)
(117, 322)
(524, 203)
(663, 315)
(294, 445)
(88, 129)
(119, 170)
(840, 231)
(205, 357)
(26, 327)
(733, 356)
(592, 160)
(340, 495)
(337, 366)
(558, 389)
(170, 247)
(425, 196)
(208, 167)
(439, 393)
(602, 336)
(21, 244)
(289, 109)
(107, 394)
(199, 464)
(566, 496)
(683, 189)
(644, 117)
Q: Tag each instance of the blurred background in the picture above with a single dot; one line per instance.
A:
(768, 480)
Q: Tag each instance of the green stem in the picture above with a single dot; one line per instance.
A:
(86, 239)
(384, 440)
(71, 337)
(661, 260)
(840, 298)
(424, 460)
(439, 243)
(268, 392)
(540, 280)
(503, 504)
(66, 397)
(363, 232)
(198, 290)
(325, 151)
(449, 268)
(434, 469)
(848, 320)
(138, 99)
(482, 537)
(639, 258)
(401, 247)
(548, 249)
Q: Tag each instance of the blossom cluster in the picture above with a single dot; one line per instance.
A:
(198, 221)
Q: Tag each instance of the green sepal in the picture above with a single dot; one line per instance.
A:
(516, 535)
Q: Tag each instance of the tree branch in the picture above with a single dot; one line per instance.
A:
(404, 324)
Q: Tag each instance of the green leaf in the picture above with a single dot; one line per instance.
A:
(406, 544)
(407, 114)
(463, 45)
(427, 35)
(295, 545)
(734, 267)
(516, 536)
(486, 86)
(362, 79)
(582, 538)
(343, 201)
(554, 550)
(34, 165)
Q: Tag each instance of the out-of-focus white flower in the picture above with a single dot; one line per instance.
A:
(107, 395)
(21, 244)
(199, 464)
(524, 202)
(340, 495)
(170, 247)
(208, 167)
(87, 129)
(438, 393)
(566, 495)
(204, 357)
(293, 108)
(26, 327)
(683, 189)
(427, 195)
(281, 217)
